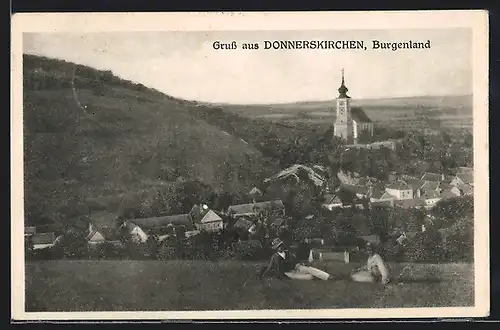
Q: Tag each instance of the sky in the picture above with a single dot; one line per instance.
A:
(185, 65)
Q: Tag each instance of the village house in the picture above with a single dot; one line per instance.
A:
(100, 234)
(29, 231)
(400, 190)
(296, 172)
(102, 228)
(378, 195)
(410, 203)
(162, 227)
(210, 222)
(276, 208)
(255, 194)
(43, 240)
(466, 178)
(206, 219)
(432, 177)
(331, 202)
(465, 189)
(358, 190)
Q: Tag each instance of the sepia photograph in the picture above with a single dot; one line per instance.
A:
(195, 169)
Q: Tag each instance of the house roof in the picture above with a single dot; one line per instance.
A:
(256, 207)
(43, 238)
(467, 177)
(430, 194)
(154, 222)
(463, 169)
(359, 115)
(446, 186)
(332, 199)
(398, 185)
(386, 195)
(210, 216)
(382, 203)
(430, 185)
(414, 183)
(377, 193)
(295, 171)
(409, 203)
(255, 191)
(278, 221)
(29, 230)
(431, 177)
(447, 194)
(465, 189)
(357, 189)
(108, 233)
(243, 223)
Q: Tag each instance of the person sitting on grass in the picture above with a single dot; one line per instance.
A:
(375, 269)
(284, 265)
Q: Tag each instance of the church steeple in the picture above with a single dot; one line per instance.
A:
(343, 89)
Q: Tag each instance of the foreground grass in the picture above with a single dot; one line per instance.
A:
(197, 285)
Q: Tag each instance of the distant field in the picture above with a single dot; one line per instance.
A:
(198, 285)
(451, 112)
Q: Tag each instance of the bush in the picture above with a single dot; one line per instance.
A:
(74, 245)
(394, 252)
(425, 247)
(458, 241)
(250, 250)
(50, 253)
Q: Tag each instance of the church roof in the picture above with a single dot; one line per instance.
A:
(359, 115)
(343, 89)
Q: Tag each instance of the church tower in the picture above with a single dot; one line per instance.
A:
(343, 126)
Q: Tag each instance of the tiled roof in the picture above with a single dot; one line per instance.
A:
(465, 189)
(255, 191)
(409, 203)
(466, 178)
(29, 230)
(243, 223)
(149, 223)
(414, 183)
(43, 238)
(332, 199)
(430, 185)
(256, 207)
(398, 185)
(431, 177)
(359, 115)
(211, 216)
(355, 188)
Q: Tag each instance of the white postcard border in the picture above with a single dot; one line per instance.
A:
(477, 20)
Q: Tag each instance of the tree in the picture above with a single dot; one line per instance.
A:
(28, 247)
(448, 210)
(74, 245)
(379, 221)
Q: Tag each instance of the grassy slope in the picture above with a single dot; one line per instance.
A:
(126, 143)
(197, 285)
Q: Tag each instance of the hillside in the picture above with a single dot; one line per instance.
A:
(96, 142)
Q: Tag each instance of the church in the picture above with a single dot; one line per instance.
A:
(350, 122)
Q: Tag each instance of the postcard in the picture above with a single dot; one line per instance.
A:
(250, 165)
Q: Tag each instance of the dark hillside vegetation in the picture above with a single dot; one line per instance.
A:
(94, 141)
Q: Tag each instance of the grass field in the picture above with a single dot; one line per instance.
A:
(198, 285)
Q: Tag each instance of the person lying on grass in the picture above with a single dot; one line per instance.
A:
(284, 265)
(375, 269)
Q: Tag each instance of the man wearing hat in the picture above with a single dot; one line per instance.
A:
(284, 265)
(375, 269)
